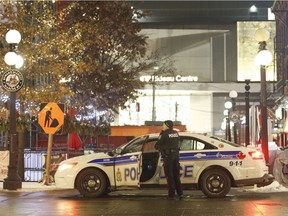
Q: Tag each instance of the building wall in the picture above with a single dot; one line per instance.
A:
(197, 52)
(201, 112)
(212, 56)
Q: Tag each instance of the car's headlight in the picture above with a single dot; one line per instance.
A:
(67, 165)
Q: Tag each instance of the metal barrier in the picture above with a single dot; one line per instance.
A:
(35, 162)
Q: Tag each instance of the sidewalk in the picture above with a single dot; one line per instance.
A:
(30, 187)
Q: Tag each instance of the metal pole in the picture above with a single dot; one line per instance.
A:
(153, 102)
(228, 127)
(264, 130)
(235, 123)
(48, 160)
(176, 111)
(247, 116)
(13, 181)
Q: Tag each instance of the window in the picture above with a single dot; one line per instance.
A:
(190, 144)
(135, 146)
(225, 141)
(149, 146)
(186, 144)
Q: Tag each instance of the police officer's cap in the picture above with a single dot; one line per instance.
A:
(169, 124)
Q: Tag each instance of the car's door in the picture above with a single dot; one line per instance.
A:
(194, 153)
(127, 164)
(150, 161)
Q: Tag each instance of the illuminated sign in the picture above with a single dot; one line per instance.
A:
(177, 78)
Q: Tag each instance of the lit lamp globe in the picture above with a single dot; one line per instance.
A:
(264, 57)
(233, 94)
(228, 105)
(10, 58)
(262, 35)
(226, 112)
(13, 37)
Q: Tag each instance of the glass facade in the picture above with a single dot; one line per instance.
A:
(248, 49)
(218, 58)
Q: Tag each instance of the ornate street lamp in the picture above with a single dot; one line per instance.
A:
(263, 59)
(247, 79)
(156, 68)
(12, 81)
(234, 116)
(228, 106)
(247, 108)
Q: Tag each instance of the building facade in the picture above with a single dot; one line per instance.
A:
(215, 55)
(280, 9)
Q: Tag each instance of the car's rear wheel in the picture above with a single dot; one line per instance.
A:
(215, 183)
(91, 183)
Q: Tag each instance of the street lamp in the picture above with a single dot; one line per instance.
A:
(247, 116)
(263, 59)
(156, 68)
(12, 81)
(234, 116)
(247, 78)
(228, 106)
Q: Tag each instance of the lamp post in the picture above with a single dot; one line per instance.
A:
(153, 101)
(12, 81)
(247, 116)
(228, 106)
(156, 68)
(234, 116)
(263, 59)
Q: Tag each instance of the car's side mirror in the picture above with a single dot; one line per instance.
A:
(118, 151)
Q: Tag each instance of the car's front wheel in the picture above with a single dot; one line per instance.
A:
(215, 183)
(91, 183)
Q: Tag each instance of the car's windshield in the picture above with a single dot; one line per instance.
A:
(225, 141)
(134, 146)
(130, 144)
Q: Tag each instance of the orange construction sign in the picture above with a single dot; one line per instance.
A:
(51, 117)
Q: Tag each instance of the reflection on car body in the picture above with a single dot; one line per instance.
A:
(208, 163)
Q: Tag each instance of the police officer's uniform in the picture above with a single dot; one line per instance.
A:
(168, 145)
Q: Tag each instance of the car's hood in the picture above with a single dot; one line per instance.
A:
(87, 157)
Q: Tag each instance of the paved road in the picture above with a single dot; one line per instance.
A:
(140, 203)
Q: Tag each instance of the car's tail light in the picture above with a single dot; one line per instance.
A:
(256, 155)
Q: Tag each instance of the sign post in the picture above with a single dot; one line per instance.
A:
(51, 118)
(48, 161)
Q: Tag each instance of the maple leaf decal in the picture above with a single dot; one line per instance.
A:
(241, 156)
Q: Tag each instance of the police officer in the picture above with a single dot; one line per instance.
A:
(168, 145)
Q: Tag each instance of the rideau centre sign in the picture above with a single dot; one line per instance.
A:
(177, 78)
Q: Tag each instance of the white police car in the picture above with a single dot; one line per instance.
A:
(208, 163)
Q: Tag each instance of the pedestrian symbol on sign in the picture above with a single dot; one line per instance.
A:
(48, 117)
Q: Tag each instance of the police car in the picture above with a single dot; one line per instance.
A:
(208, 163)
